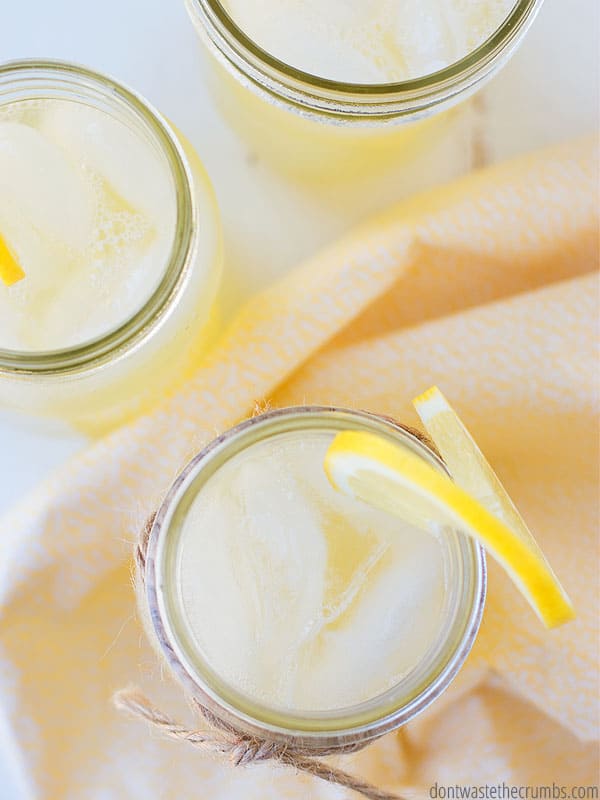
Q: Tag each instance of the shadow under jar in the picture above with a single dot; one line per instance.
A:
(297, 614)
(336, 88)
(113, 221)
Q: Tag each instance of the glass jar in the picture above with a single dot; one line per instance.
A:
(127, 369)
(162, 606)
(311, 125)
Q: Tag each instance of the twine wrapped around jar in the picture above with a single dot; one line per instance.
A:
(224, 739)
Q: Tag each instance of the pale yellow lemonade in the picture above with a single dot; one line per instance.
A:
(315, 577)
(91, 214)
(373, 44)
(90, 217)
(300, 598)
(368, 41)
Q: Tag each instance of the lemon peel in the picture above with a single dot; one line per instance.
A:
(10, 269)
(379, 472)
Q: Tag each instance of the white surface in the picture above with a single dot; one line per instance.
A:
(547, 93)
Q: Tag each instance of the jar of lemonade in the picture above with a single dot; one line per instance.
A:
(295, 613)
(110, 248)
(329, 86)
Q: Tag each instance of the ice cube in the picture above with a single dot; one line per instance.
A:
(48, 265)
(428, 35)
(287, 545)
(257, 552)
(11, 321)
(39, 185)
(387, 631)
(116, 154)
(114, 278)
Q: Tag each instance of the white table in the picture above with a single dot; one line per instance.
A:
(549, 91)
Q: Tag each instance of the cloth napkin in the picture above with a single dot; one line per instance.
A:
(486, 288)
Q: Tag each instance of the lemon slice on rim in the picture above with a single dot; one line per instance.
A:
(10, 269)
(395, 479)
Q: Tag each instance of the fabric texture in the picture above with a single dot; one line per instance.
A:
(487, 288)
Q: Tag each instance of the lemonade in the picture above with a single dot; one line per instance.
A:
(296, 605)
(306, 581)
(369, 41)
(342, 87)
(109, 249)
(89, 214)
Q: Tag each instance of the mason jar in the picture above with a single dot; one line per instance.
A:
(135, 361)
(163, 553)
(313, 126)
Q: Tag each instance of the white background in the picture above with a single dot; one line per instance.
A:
(547, 93)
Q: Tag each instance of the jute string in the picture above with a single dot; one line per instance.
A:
(223, 739)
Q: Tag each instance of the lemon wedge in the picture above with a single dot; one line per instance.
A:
(393, 478)
(10, 269)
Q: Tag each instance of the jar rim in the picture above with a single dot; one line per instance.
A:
(62, 79)
(309, 92)
(327, 731)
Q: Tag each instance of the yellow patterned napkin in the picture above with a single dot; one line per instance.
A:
(485, 288)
